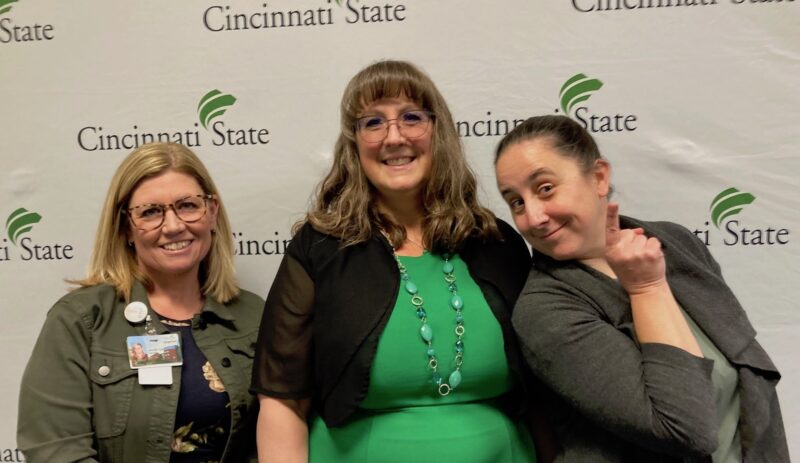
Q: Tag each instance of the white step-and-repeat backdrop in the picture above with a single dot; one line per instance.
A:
(695, 103)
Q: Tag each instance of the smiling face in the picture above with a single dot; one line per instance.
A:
(557, 206)
(396, 166)
(175, 248)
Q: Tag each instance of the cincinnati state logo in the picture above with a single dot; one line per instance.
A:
(728, 203)
(577, 89)
(12, 32)
(5, 5)
(297, 15)
(20, 222)
(18, 225)
(573, 96)
(724, 212)
(212, 105)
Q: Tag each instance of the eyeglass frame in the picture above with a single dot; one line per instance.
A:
(165, 207)
(431, 115)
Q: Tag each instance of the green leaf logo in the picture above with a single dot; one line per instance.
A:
(729, 202)
(5, 5)
(577, 89)
(339, 2)
(212, 105)
(20, 222)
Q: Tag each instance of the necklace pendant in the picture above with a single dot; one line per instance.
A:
(448, 267)
(411, 288)
(426, 332)
(454, 379)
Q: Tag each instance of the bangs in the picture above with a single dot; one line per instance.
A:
(388, 82)
(388, 88)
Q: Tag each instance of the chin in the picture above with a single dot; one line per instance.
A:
(559, 254)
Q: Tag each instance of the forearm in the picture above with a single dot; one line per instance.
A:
(658, 319)
(282, 431)
(655, 395)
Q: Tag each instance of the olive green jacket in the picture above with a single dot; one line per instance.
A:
(80, 401)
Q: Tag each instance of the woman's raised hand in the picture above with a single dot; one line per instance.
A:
(636, 259)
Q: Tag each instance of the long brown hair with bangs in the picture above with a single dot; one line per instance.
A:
(346, 205)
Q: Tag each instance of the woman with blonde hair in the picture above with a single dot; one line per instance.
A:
(162, 268)
(386, 335)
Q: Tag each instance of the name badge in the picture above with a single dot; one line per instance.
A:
(154, 356)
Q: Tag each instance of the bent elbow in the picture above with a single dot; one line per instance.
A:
(696, 436)
(704, 443)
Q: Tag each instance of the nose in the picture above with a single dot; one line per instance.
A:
(172, 224)
(393, 135)
(535, 214)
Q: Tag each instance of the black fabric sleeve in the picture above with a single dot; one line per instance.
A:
(283, 366)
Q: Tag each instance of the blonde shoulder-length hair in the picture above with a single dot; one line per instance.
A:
(114, 262)
(345, 205)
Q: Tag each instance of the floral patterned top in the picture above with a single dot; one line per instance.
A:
(203, 417)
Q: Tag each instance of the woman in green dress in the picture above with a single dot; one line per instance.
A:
(386, 334)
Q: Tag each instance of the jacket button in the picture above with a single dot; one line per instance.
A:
(104, 370)
(226, 362)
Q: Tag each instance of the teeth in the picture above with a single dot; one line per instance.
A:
(175, 246)
(397, 161)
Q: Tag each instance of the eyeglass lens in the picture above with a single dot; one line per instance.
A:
(150, 216)
(411, 124)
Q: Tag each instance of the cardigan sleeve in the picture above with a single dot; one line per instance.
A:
(283, 366)
(55, 401)
(654, 395)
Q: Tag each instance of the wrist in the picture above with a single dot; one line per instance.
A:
(650, 288)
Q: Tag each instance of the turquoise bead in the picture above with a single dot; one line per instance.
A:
(457, 302)
(411, 287)
(431, 352)
(447, 267)
(455, 379)
(459, 346)
(426, 332)
(421, 313)
(459, 319)
(436, 378)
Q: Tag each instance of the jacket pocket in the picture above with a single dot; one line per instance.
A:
(245, 345)
(113, 381)
(243, 350)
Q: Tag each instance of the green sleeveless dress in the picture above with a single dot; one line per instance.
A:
(403, 418)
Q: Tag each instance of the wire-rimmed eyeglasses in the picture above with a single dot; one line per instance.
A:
(411, 124)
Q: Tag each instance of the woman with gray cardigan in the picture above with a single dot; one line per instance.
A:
(630, 323)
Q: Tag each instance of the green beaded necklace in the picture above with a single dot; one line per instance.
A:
(426, 332)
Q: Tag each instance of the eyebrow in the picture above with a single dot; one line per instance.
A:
(403, 109)
(531, 178)
(164, 204)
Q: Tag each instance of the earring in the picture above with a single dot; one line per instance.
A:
(130, 244)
